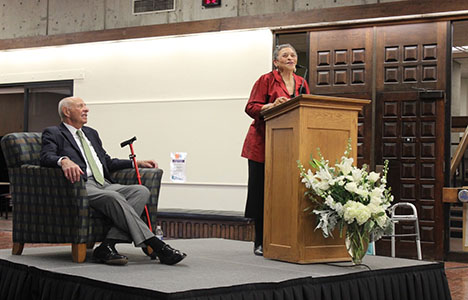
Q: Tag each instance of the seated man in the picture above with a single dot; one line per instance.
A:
(78, 150)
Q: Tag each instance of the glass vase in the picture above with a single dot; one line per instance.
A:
(357, 241)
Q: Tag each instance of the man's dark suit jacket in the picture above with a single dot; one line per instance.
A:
(57, 141)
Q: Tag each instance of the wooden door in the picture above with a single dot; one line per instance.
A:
(410, 136)
(11, 113)
(389, 65)
(410, 128)
(341, 65)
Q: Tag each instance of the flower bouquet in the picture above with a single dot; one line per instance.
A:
(351, 198)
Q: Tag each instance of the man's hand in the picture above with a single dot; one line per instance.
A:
(71, 170)
(147, 164)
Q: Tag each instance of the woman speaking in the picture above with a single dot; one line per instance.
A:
(270, 90)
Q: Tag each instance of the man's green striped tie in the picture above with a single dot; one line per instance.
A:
(92, 163)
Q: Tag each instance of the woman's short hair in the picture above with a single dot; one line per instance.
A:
(281, 47)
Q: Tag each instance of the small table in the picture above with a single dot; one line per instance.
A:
(5, 201)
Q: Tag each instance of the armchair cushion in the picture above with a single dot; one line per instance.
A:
(22, 148)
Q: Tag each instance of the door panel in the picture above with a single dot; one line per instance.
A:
(341, 61)
(411, 56)
(409, 137)
(341, 65)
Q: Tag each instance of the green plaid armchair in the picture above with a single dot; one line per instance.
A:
(47, 208)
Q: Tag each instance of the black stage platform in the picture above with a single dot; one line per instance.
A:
(214, 269)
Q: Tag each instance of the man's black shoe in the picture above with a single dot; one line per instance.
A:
(169, 256)
(150, 253)
(107, 254)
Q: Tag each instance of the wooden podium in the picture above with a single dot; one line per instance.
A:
(294, 130)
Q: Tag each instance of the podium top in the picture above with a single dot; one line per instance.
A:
(311, 100)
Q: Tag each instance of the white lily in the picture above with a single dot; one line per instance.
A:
(346, 165)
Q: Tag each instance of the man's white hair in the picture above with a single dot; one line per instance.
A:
(65, 102)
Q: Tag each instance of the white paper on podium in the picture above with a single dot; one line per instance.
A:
(178, 166)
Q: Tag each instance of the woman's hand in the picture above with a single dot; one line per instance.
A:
(280, 100)
(277, 102)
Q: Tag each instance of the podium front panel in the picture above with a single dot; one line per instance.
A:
(281, 188)
(292, 134)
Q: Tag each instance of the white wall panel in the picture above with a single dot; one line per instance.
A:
(211, 132)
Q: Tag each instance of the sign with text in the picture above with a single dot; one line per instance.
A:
(178, 163)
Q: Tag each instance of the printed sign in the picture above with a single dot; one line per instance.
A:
(178, 162)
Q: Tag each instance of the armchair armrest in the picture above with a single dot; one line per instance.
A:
(151, 178)
(47, 207)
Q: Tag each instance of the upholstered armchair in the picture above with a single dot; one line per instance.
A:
(47, 208)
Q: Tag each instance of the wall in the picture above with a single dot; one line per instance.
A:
(179, 93)
(52, 17)
(456, 88)
(464, 96)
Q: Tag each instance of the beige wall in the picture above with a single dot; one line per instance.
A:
(176, 94)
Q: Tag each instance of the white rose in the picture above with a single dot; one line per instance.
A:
(350, 211)
(374, 208)
(347, 212)
(364, 214)
(376, 195)
(373, 177)
(362, 192)
(381, 221)
(351, 187)
(357, 174)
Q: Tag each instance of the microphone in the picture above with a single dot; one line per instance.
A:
(302, 89)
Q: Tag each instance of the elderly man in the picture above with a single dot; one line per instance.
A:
(78, 150)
